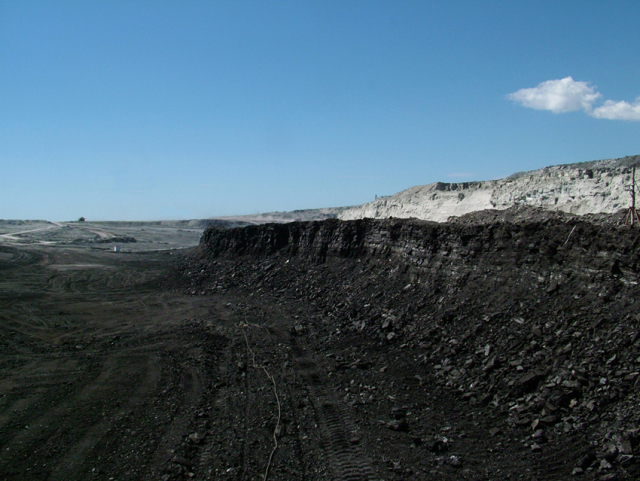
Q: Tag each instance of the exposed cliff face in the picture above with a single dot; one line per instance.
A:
(517, 335)
(412, 241)
(585, 188)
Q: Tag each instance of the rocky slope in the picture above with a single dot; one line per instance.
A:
(504, 345)
(299, 215)
(584, 188)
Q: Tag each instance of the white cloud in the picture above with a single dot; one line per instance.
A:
(618, 110)
(564, 95)
(567, 95)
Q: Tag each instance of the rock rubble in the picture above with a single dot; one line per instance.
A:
(524, 325)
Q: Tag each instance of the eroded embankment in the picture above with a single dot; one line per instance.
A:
(518, 341)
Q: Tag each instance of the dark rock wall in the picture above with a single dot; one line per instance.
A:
(534, 321)
(428, 247)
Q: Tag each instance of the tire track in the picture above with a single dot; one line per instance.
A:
(19, 406)
(347, 459)
(43, 426)
(98, 366)
(192, 389)
(70, 465)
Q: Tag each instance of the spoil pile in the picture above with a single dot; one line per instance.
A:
(503, 344)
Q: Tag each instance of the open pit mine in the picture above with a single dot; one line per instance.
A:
(501, 344)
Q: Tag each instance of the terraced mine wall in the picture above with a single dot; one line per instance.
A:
(516, 335)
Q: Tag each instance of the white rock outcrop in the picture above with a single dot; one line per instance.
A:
(585, 188)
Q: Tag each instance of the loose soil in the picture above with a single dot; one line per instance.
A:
(503, 346)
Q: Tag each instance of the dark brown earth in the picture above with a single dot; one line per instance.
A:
(501, 346)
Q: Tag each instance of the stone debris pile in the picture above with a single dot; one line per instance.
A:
(475, 349)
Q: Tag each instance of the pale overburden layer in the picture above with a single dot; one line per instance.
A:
(585, 188)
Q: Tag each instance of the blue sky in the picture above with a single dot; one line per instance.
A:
(152, 110)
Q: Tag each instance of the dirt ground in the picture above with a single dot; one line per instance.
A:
(481, 357)
(126, 236)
